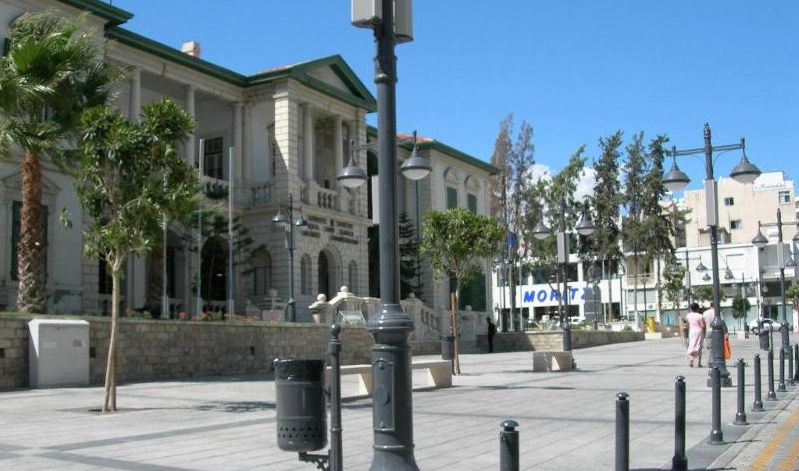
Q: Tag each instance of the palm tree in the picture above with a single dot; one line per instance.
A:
(54, 69)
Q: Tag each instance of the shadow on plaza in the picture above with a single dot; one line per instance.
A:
(689, 469)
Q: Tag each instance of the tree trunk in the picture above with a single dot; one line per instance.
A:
(456, 330)
(31, 296)
(110, 397)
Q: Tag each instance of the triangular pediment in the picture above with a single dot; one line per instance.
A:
(14, 182)
(330, 75)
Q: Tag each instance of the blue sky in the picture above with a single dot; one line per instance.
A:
(576, 70)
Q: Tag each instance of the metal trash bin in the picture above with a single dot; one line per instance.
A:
(300, 403)
(448, 347)
(763, 334)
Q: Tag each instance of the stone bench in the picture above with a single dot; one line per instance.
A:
(439, 375)
(552, 361)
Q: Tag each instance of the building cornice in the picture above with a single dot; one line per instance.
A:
(113, 15)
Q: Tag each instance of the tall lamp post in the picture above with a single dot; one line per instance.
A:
(676, 180)
(584, 228)
(501, 265)
(760, 241)
(392, 409)
(287, 222)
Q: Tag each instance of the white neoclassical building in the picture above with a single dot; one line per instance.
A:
(284, 131)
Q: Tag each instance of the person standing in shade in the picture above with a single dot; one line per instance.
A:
(696, 335)
(492, 331)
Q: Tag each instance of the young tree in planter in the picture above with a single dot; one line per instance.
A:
(740, 308)
(54, 69)
(673, 285)
(129, 177)
(456, 241)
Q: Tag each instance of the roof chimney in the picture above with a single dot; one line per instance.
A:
(191, 48)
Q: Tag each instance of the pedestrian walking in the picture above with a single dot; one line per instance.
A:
(492, 331)
(696, 335)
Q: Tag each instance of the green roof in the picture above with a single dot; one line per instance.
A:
(115, 16)
(443, 148)
(359, 95)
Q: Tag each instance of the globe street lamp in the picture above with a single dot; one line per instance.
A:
(287, 222)
(392, 410)
(676, 180)
(760, 241)
(701, 268)
(584, 227)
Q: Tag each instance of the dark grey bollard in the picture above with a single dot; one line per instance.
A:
(791, 377)
(509, 446)
(781, 387)
(796, 362)
(680, 461)
(716, 434)
(622, 432)
(771, 395)
(740, 416)
(757, 406)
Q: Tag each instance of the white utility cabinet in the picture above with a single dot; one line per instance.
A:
(58, 353)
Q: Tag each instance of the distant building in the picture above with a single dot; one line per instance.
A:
(743, 269)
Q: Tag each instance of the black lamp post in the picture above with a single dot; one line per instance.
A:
(501, 265)
(287, 222)
(584, 228)
(675, 180)
(760, 242)
(392, 409)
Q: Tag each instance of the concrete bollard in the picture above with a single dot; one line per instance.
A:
(509, 446)
(757, 406)
(622, 432)
(716, 434)
(771, 395)
(740, 416)
(781, 386)
(680, 461)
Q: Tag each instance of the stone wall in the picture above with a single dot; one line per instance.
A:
(553, 340)
(153, 350)
(13, 353)
(158, 350)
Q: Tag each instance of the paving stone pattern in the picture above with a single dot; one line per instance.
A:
(567, 419)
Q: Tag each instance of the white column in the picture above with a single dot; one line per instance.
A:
(308, 142)
(191, 111)
(135, 94)
(238, 141)
(339, 144)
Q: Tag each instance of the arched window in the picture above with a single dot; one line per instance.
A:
(352, 277)
(305, 274)
(261, 272)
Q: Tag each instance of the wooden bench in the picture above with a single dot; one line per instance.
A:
(439, 375)
(552, 361)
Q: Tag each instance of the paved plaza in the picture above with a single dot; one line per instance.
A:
(566, 420)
